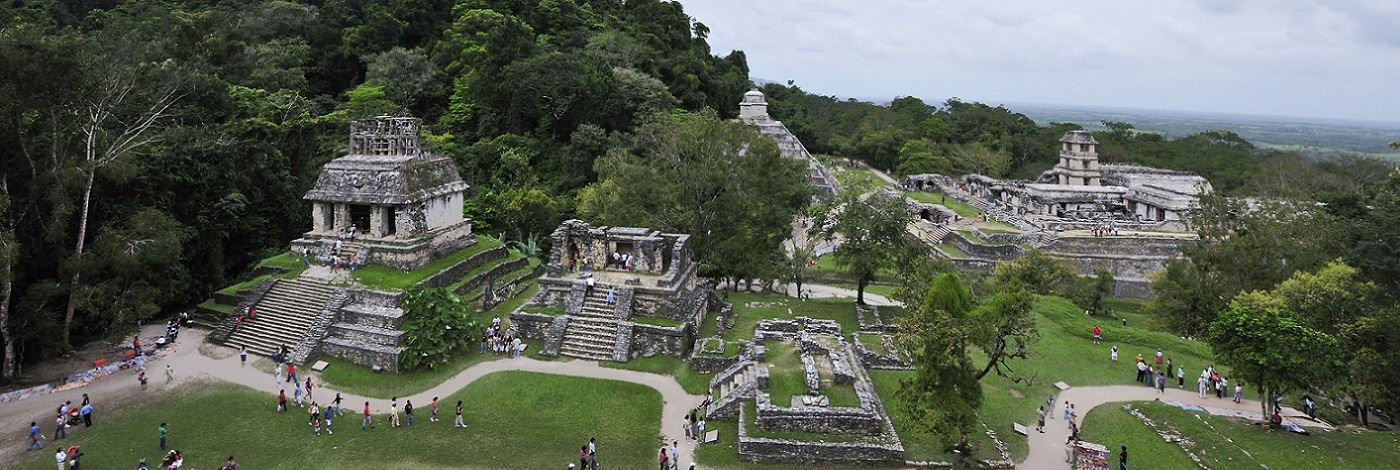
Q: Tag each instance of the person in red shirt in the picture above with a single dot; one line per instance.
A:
(1098, 334)
(366, 423)
(281, 400)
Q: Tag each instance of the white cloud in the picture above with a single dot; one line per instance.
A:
(1337, 59)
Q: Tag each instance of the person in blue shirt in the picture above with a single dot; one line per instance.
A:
(86, 412)
(36, 437)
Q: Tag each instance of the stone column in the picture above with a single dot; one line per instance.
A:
(376, 221)
(318, 217)
(342, 216)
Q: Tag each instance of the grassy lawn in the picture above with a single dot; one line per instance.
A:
(785, 375)
(828, 267)
(959, 207)
(218, 307)
(543, 310)
(950, 250)
(1228, 443)
(383, 277)
(546, 418)
(750, 307)
(694, 383)
(838, 394)
(884, 290)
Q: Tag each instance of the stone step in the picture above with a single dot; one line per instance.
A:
(598, 335)
(590, 338)
(366, 333)
(569, 350)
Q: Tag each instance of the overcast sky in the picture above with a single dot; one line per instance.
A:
(1331, 59)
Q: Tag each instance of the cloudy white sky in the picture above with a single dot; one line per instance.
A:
(1330, 59)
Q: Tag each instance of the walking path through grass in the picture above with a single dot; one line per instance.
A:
(1048, 448)
(118, 390)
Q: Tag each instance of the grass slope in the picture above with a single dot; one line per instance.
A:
(1228, 443)
(383, 277)
(515, 419)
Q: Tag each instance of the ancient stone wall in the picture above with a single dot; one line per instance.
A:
(759, 449)
(650, 340)
(455, 272)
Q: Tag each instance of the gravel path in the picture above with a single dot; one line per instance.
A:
(122, 389)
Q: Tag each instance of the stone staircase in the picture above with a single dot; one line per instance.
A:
(592, 332)
(285, 314)
(367, 334)
(731, 386)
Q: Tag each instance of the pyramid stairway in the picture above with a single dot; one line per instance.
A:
(592, 330)
(284, 314)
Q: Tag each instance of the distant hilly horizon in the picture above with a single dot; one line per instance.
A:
(1308, 135)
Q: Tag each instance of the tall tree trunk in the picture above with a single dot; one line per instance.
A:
(860, 291)
(77, 254)
(8, 371)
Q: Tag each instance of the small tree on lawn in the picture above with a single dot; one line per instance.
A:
(872, 233)
(437, 323)
(798, 262)
(1089, 292)
(1272, 349)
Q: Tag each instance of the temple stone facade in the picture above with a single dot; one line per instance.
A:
(402, 203)
(1079, 191)
(754, 110)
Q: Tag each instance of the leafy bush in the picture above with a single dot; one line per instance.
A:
(436, 324)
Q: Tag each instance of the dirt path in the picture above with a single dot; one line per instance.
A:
(121, 390)
(1047, 450)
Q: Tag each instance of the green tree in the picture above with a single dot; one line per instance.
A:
(719, 181)
(1037, 271)
(1003, 327)
(436, 324)
(1271, 349)
(134, 262)
(1089, 293)
(944, 394)
(871, 232)
(407, 76)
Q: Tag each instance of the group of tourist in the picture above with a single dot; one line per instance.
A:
(1155, 375)
(619, 260)
(588, 455)
(1211, 381)
(1103, 230)
(501, 343)
(67, 417)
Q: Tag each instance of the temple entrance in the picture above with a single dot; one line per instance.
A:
(923, 214)
(388, 225)
(359, 217)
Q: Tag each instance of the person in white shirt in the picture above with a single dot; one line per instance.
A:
(61, 457)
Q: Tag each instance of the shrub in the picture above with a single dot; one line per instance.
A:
(436, 324)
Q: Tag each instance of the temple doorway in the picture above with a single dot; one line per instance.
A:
(359, 217)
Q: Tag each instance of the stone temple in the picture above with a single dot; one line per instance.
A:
(753, 110)
(404, 203)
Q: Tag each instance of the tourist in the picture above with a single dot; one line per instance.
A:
(516, 347)
(313, 411)
(75, 455)
(1098, 334)
(1123, 458)
(700, 430)
(61, 457)
(663, 459)
(1071, 414)
(593, 453)
(433, 418)
(36, 436)
(612, 295)
(243, 356)
(484, 337)
(1239, 393)
(1069, 451)
(459, 423)
(86, 400)
(282, 401)
(229, 464)
(316, 425)
(60, 428)
(1180, 377)
(162, 432)
(588, 289)
(1220, 388)
(292, 373)
(1159, 358)
(86, 412)
(308, 388)
(1040, 420)
(675, 455)
(366, 422)
(394, 412)
(1201, 386)
(583, 456)
(1141, 369)
(1161, 383)
(1050, 405)
(408, 412)
(689, 418)
(296, 395)
(169, 374)
(276, 373)
(338, 410)
(1113, 354)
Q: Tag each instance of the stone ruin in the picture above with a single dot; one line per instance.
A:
(753, 110)
(403, 202)
(867, 436)
(658, 301)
